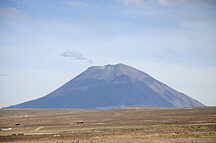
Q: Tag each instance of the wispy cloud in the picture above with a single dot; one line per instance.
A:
(201, 3)
(11, 13)
(3, 75)
(186, 14)
(77, 3)
(169, 2)
(131, 2)
(75, 55)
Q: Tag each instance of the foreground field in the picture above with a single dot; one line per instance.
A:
(135, 125)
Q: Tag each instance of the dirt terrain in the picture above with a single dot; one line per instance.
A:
(131, 125)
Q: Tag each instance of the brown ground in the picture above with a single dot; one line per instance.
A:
(135, 125)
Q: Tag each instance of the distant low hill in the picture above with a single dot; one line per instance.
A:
(112, 86)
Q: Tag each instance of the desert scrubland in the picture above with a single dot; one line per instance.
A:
(130, 125)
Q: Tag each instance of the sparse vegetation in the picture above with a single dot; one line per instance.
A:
(134, 125)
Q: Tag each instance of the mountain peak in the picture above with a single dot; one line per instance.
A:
(112, 86)
(110, 72)
(109, 66)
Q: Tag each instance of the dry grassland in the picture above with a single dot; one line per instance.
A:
(132, 125)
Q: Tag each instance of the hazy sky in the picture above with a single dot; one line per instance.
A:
(44, 43)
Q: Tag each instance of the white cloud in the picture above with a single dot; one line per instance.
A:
(75, 55)
(77, 3)
(12, 13)
(202, 3)
(132, 2)
(3, 75)
(167, 2)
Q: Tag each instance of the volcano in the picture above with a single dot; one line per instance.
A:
(112, 86)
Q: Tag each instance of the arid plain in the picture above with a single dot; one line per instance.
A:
(130, 125)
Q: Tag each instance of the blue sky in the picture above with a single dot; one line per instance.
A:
(45, 43)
